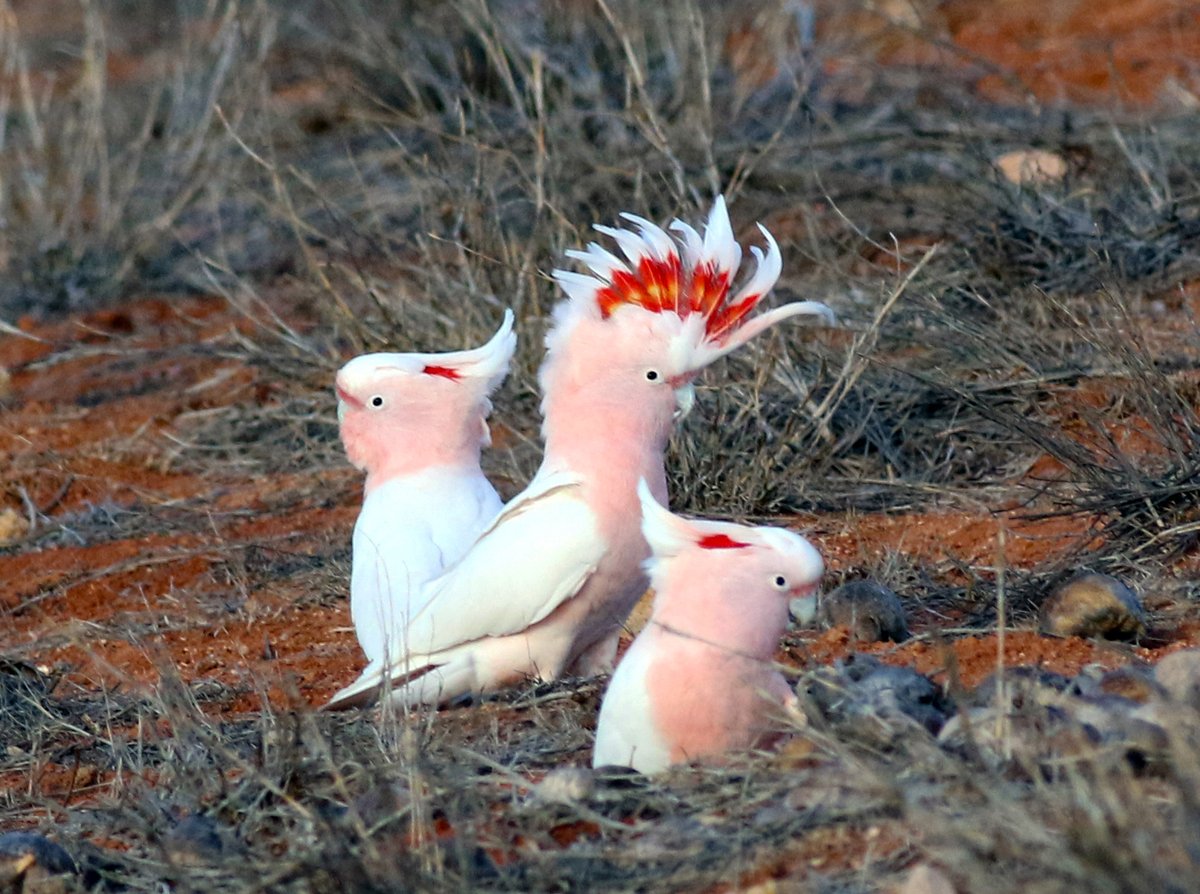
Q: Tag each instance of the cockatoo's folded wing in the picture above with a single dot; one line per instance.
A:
(538, 553)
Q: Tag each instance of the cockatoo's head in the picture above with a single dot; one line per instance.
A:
(638, 330)
(402, 412)
(725, 581)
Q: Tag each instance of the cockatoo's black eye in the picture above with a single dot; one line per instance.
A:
(781, 581)
(652, 375)
(377, 400)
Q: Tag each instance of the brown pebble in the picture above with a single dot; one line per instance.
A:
(1133, 683)
(1179, 674)
(1093, 605)
(872, 612)
(13, 525)
(1024, 166)
(1023, 687)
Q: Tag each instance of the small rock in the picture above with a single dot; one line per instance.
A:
(1023, 166)
(13, 525)
(1036, 735)
(1122, 725)
(566, 785)
(1054, 726)
(1023, 686)
(1179, 675)
(871, 611)
(861, 687)
(194, 840)
(1133, 683)
(33, 864)
(926, 879)
(1093, 605)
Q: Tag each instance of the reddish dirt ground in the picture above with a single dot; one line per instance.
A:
(1130, 53)
(94, 402)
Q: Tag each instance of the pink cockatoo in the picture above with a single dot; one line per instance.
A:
(699, 680)
(546, 587)
(415, 423)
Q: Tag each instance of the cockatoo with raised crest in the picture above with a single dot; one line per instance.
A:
(544, 590)
(699, 680)
(415, 423)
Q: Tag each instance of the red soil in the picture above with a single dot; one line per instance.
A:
(96, 399)
(115, 611)
(1141, 52)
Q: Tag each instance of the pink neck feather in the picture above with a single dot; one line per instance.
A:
(431, 442)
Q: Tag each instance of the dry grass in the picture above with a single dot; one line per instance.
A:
(447, 155)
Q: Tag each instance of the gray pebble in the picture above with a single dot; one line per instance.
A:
(871, 611)
(863, 685)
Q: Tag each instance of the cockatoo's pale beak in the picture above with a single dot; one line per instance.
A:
(685, 397)
(803, 609)
(345, 397)
(345, 400)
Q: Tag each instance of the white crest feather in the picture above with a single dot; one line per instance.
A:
(633, 246)
(693, 245)
(719, 245)
(654, 236)
(580, 288)
(489, 361)
(666, 532)
(767, 271)
(599, 260)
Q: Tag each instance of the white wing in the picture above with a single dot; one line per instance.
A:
(410, 529)
(538, 553)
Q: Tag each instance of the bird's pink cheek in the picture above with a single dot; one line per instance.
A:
(802, 591)
(354, 443)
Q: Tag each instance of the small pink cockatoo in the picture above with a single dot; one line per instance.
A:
(415, 423)
(546, 587)
(700, 680)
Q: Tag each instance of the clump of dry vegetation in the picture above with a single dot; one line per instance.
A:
(366, 174)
